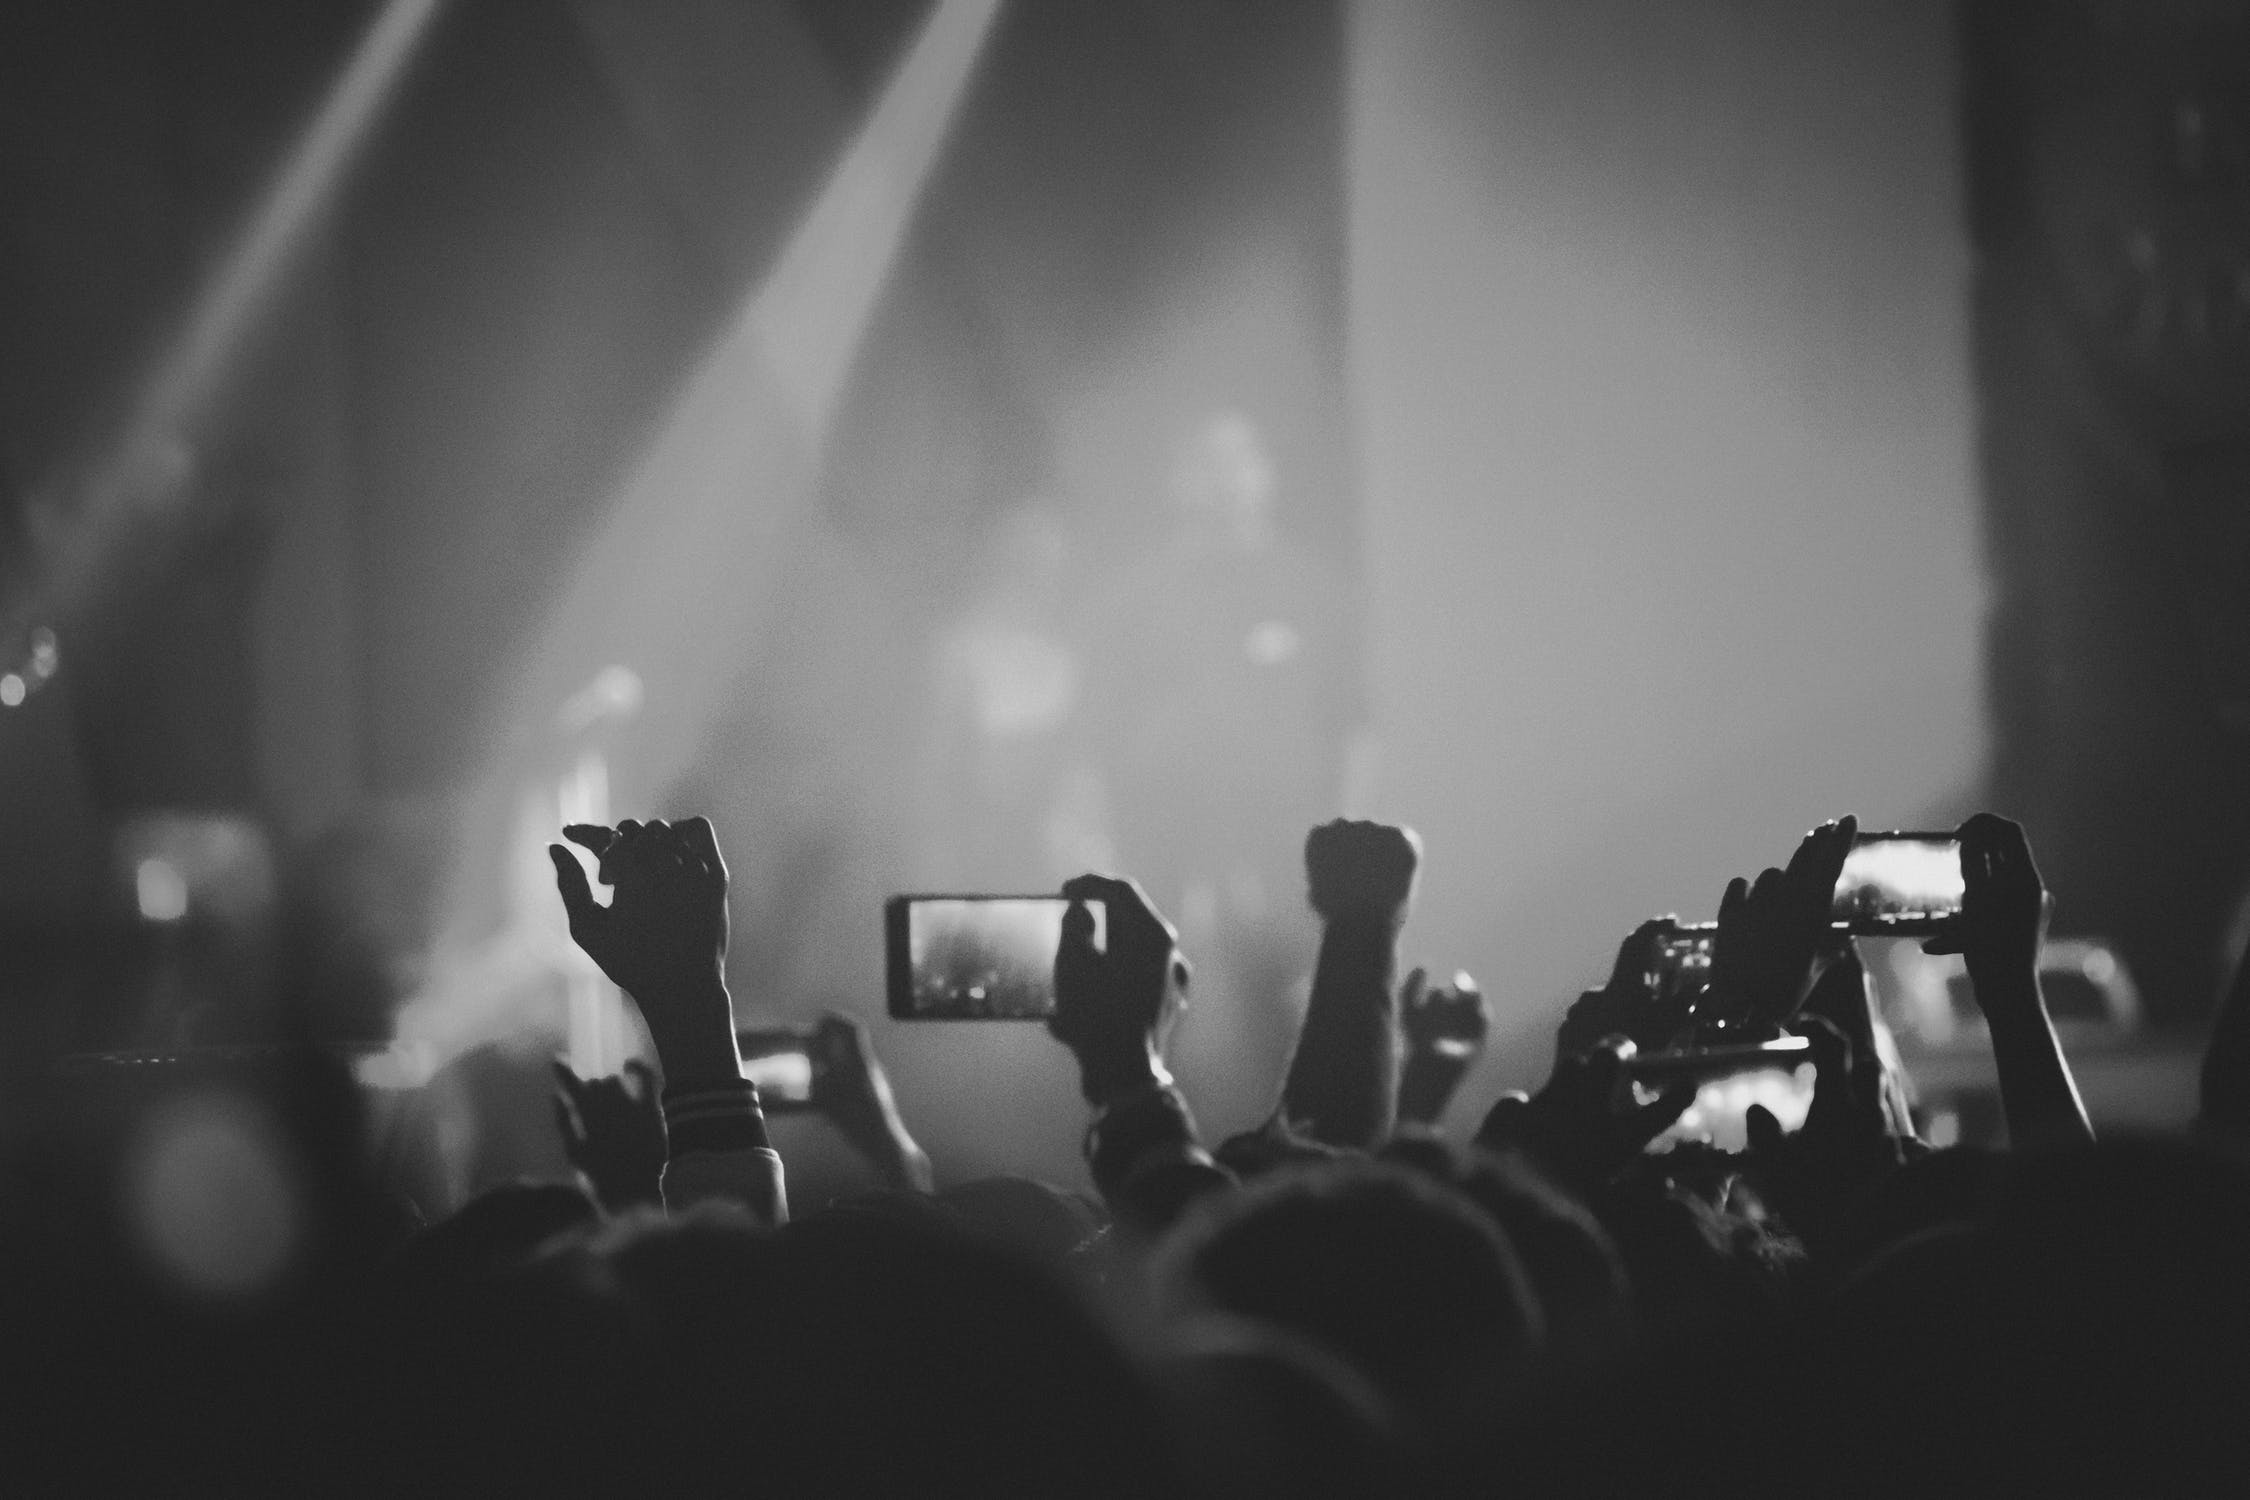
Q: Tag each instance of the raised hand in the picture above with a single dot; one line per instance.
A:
(2004, 903)
(1846, 1142)
(1357, 868)
(851, 1088)
(1114, 1006)
(663, 937)
(613, 1133)
(1444, 1027)
(1342, 1088)
(1634, 1003)
(1587, 1123)
(1775, 935)
(2002, 922)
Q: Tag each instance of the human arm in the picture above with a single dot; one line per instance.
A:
(1342, 1087)
(1586, 1124)
(663, 940)
(1443, 1028)
(850, 1087)
(1775, 938)
(1114, 1006)
(1998, 932)
(613, 1132)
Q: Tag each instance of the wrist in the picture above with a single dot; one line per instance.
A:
(1387, 918)
(692, 1025)
(1106, 1080)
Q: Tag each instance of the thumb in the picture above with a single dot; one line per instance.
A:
(570, 882)
(1763, 1130)
(1947, 938)
(1410, 993)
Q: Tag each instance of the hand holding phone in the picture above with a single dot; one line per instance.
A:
(1899, 885)
(1116, 993)
(975, 958)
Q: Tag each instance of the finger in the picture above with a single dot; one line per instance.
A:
(1605, 1065)
(640, 1080)
(569, 1126)
(569, 1119)
(1132, 916)
(1636, 956)
(1831, 1050)
(1412, 994)
(593, 837)
(577, 897)
(1762, 1129)
(698, 834)
(1655, 1118)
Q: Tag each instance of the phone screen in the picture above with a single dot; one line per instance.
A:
(1899, 884)
(1684, 954)
(780, 1063)
(1721, 1105)
(976, 958)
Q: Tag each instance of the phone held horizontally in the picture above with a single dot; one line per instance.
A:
(975, 957)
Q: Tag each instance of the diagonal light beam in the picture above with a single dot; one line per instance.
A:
(673, 585)
(193, 368)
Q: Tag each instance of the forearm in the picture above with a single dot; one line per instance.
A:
(1343, 1081)
(716, 1145)
(902, 1161)
(1426, 1084)
(2037, 1093)
(1147, 1159)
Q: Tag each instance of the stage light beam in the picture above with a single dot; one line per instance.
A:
(671, 587)
(193, 367)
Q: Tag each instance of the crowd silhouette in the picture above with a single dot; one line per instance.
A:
(1343, 1301)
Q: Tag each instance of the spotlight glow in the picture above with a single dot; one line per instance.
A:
(674, 581)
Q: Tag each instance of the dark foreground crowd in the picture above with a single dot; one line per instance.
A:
(1343, 1302)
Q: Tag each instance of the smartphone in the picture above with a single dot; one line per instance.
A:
(781, 1061)
(1899, 885)
(1683, 957)
(1721, 1109)
(975, 958)
(1717, 1062)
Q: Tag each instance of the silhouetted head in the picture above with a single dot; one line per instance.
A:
(864, 1353)
(1403, 1277)
(1584, 1294)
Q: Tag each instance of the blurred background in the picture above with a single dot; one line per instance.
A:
(958, 443)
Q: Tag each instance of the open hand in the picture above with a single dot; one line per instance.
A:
(663, 937)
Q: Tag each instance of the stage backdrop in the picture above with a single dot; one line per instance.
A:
(1661, 351)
